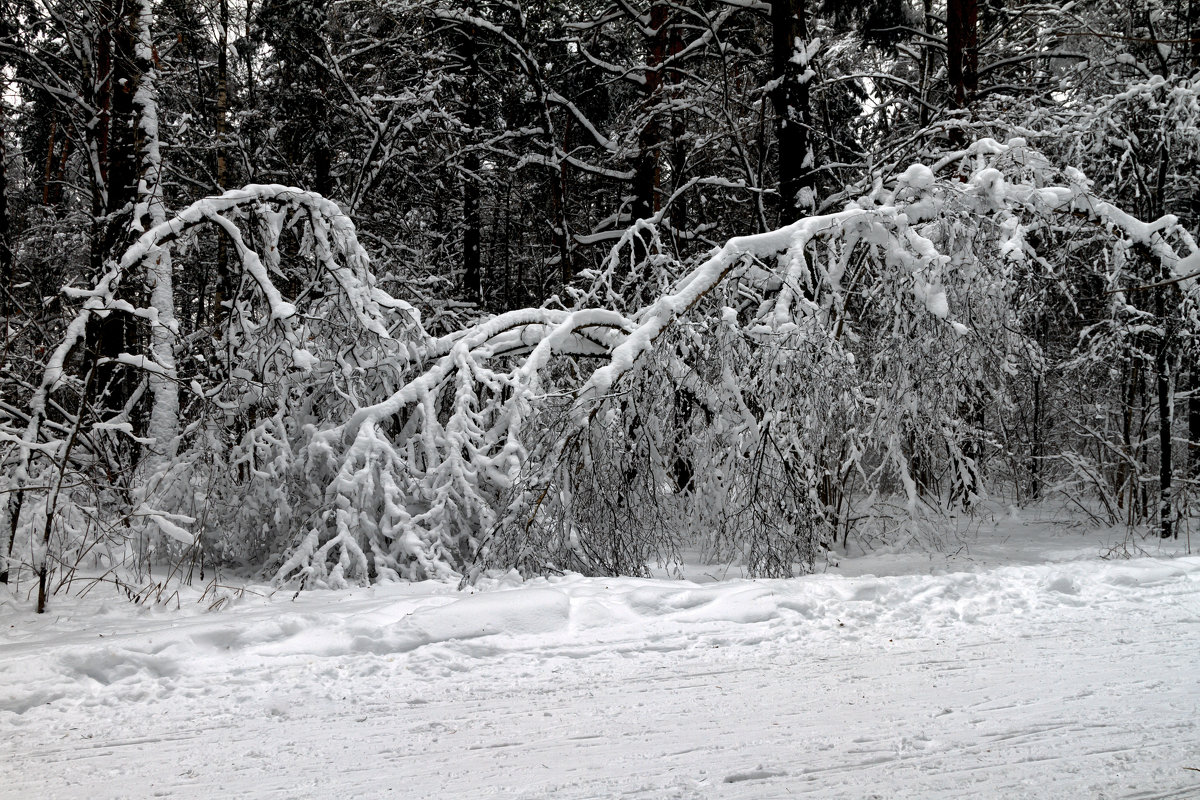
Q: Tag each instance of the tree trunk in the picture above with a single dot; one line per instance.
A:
(793, 112)
(13, 517)
(111, 335)
(13, 502)
(472, 215)
(222, 288)
(1193, 29)
(123, 159)
(962, 50)
(1035, 443)
(251, 133)
(647, 171)
(1125, 476)
(102, 84)
(962, 57)
(6, 258)
(927, 61)
(150, 211)
(1166, 413)
(679, 151)
(48, 171)
(1194, 417)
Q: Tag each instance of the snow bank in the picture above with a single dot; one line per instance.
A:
(1065, 678)
(556, 612)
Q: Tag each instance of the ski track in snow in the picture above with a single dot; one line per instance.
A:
(1061, 680)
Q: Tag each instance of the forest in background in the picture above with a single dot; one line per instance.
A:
(331, 292)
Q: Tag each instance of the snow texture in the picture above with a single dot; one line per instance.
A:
(1020, 666)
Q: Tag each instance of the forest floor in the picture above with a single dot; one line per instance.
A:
(1017, 662)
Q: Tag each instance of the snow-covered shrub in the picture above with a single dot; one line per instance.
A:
(223, 469)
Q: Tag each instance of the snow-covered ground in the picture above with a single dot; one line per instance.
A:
(1017, 663)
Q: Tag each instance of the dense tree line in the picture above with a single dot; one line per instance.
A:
(347, 290)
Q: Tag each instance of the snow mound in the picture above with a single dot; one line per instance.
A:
(508, 613)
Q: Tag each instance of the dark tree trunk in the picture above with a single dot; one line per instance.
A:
(962, 50)
(1194, 417)
(927, 61)
(962, 56)
(1166, 413)
(562, 242)
(323, 166)
(1035, 443)
(1124, 478)
(472, 215)
(117, 146)
(122, 153)
(1193, 29)
(647, 170)
(793, 112)
(48, 172)
(6, 284)
(679, 150)
(223, 284)
(6, 257)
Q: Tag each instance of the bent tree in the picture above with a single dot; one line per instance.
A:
(318, 435)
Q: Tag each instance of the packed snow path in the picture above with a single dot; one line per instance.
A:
(1073, 679)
